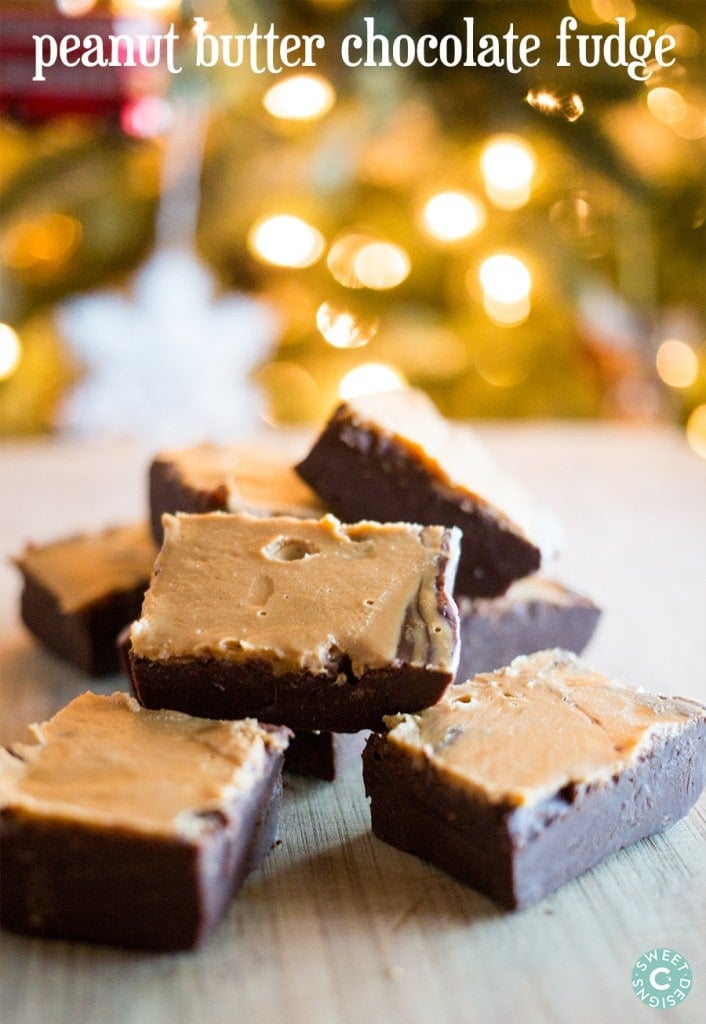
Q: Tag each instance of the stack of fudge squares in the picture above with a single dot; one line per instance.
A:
(380, 597)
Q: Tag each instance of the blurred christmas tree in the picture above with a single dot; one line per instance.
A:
(516, 244)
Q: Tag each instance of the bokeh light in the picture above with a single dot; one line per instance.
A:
(10, 351)
(370, 379)
(568, 105)
(696, 430)
(300, 98)
(285, 241)
(381, 265)
(508, 164)
(506, 283)
(452, 216)
(677, 363)
(75, 8)
(342, 254)
(343, 328)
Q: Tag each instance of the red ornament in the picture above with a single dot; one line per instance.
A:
(81, 89)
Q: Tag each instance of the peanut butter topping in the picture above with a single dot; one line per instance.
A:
(83, 569)
(256, 480)
(109, 762)
(300, 592)
(453, 454)
(546, 721)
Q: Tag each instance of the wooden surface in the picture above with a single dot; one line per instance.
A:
(337, 927)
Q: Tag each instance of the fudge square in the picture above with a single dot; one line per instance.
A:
(80, 591)
(228, 478)
(133, 827)
(521, 779)
(309, 623)
(392, 456)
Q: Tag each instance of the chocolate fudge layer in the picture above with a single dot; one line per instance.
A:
(324, 755)
(394, 457)
(235, 478)
(521, 779)
(534, 614)
(134, 827)
(311, 623)
(79, 592)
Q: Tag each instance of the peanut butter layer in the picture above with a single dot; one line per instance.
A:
(546, 721)
(300, 593)
(83, 569)
(108, 762)
(257, 480)
(454, 455)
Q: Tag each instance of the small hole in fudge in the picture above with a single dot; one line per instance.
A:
(369, 601)
(465, 698)
(261, 613)
(288, 549)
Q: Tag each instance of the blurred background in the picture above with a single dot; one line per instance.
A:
(186, 256)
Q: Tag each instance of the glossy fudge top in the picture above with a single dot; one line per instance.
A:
(106, 761)
(521, 734)
(295, 592)
(257, 480)
(452, 454)
(83, 569)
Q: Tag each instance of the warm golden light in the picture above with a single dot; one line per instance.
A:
(696, 430)
(342, 254)
(667, 105)
(569, 106)
(285, 241)
(10, 351)
(344, 329)
(507, 284)
(300, 98)
(370, 379)
(451, 216)
(149, 6)
(677, 363)
(46, 241)
(381, 265)
(75, 8)
(508, 164)
(505, 278)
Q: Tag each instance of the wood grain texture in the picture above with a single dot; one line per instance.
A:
(337, 926)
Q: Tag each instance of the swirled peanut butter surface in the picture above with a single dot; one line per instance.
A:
(452, 453)
(546, 721)
(297, 592)
(83, 569)
(108, 761)
(261, 481)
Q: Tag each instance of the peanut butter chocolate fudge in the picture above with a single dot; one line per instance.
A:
(394, 457)
(134, 827)
(234, 478)
(79, 592)
(324, 755)
(310, 623)
(534, 614)
(521, 779)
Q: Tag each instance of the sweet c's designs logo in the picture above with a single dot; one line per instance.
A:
(662, 978)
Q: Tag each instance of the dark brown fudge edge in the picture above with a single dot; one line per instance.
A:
(324, 755)
(494, 632)
(85, 637)
(169, 492)
(361, 474)
(518, 855)
(68, 881)
(335, 701)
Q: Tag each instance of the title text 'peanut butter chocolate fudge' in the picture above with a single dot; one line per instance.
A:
(310, 623)
(394, 457)
(234, 478)
(79, 592)
(134, 827)
(534, 614)
(519, 780)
